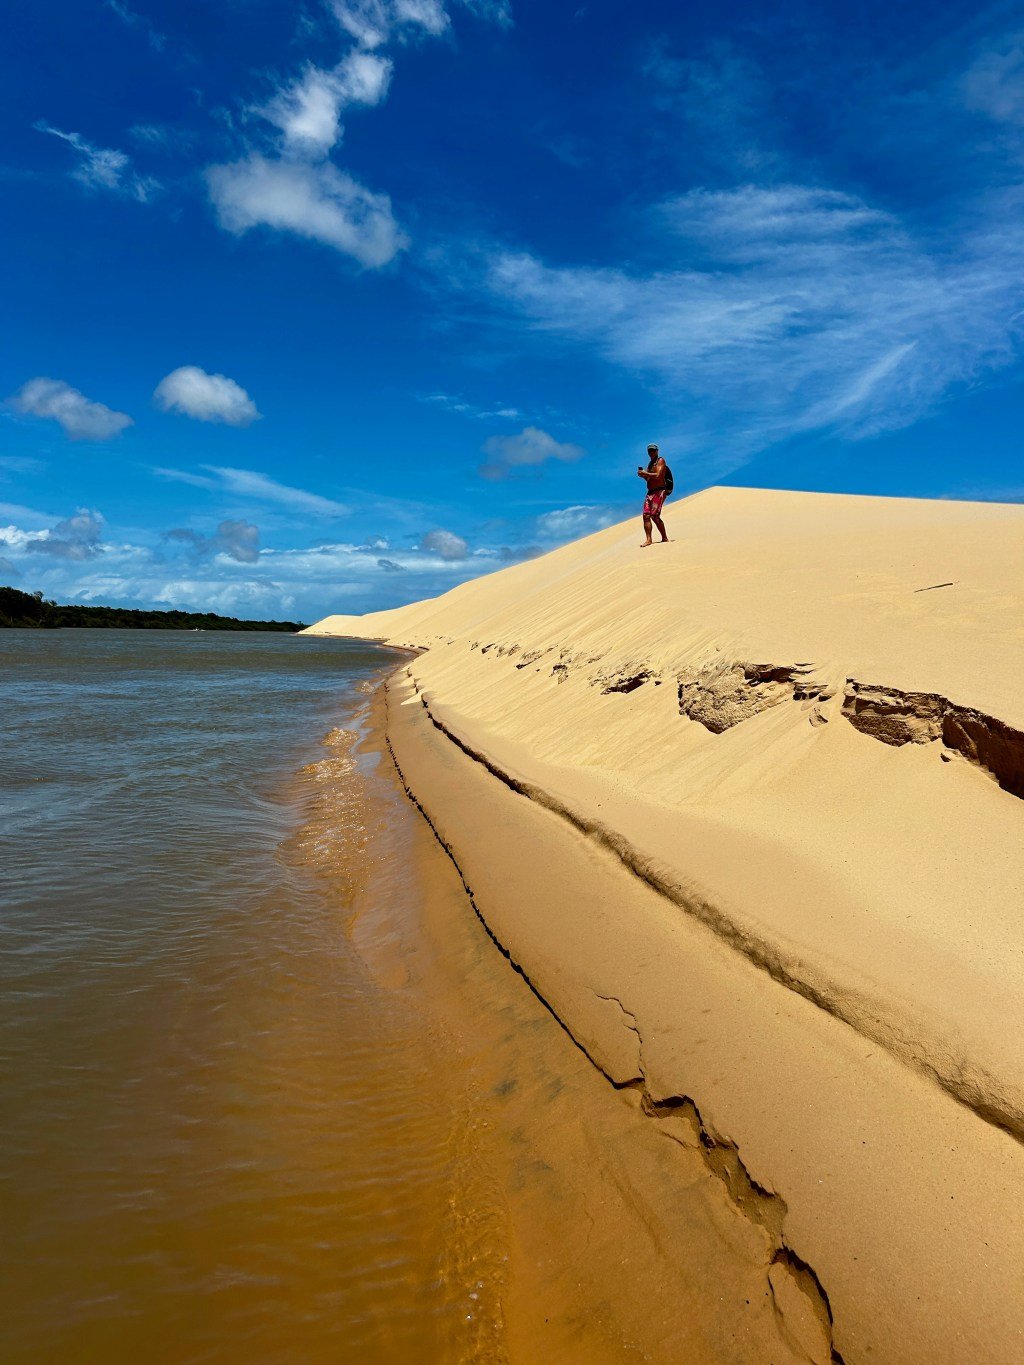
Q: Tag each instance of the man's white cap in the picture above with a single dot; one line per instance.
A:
(652, 445)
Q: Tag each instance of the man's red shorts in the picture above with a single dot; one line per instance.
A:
(653, 503)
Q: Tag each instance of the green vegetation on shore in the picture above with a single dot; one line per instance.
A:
(32, 611)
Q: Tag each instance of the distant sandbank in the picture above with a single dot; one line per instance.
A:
(746, 810)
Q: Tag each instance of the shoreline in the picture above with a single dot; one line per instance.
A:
(620, 1235)
(894, 1192)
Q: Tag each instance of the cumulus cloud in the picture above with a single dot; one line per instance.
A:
(297, 189)
(313, 200)
(390, 566)
(239, 540)
(82, 419)
(104, 168)
(308, 112)
(530, 447)
(76, 537)
(809, 310)
(207, 397)
(446, 544)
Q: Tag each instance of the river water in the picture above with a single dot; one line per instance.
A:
(222, 1134)
(270, 1093)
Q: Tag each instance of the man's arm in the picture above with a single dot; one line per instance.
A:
(656, 473)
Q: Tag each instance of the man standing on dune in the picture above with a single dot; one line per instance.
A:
(659, 485)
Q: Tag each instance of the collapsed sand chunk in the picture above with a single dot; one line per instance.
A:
(896, 717)
(722, 695)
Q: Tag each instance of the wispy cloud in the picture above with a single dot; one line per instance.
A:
(463, 408)
(80, 417)
(249, 483)
(140, 23)
(206, 397)
(104, 168)
(20, 464)
(994, 82)
(27, 516)
(809, 309)
(375, 22)
(184, 476)
(715, 110)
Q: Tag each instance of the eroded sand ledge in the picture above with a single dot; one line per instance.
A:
(746, 812)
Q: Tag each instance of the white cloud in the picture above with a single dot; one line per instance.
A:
(753, 221)
(82, 419)
(207, 397)
(315, 201)
(228, 571)
(451, 403)
(298, 190)
(446, 544)
(569, 522)
(809, 310)
(530, 447)
(366, 21)
(251, 484)
(374, 22)
(104, 167)
(17, 538)
(429, 15)
(308, 112)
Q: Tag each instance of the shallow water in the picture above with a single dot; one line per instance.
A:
(222, 1136)
(271, 1092)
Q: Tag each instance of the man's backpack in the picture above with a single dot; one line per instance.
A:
(669, 484)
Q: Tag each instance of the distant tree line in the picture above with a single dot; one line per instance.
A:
(32, 610)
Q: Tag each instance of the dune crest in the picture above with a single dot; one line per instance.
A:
(775, 772)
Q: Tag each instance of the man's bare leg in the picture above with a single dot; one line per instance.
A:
(647, 532)
(661, 527)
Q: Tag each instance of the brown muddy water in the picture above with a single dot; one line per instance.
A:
(270, 1093)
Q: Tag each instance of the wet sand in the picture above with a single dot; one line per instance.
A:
(606, 1232)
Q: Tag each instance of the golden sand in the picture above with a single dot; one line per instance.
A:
(746, 811)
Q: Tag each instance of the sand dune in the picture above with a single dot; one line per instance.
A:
(747, 811)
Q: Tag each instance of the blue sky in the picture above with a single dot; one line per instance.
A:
(331, 305)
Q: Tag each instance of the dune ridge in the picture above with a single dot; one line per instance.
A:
(793, 740)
